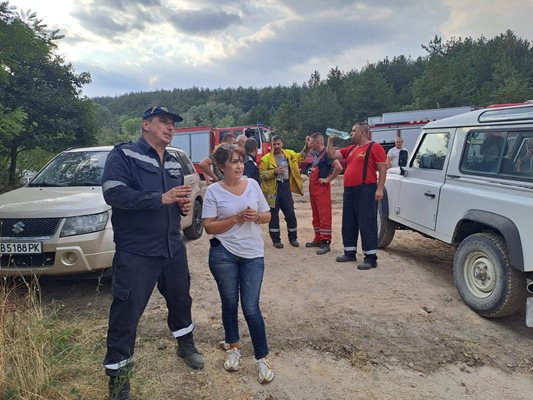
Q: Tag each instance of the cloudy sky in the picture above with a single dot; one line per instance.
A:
(133, 46)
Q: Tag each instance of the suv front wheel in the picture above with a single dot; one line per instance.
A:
(485, 279)
(386, 228)
(196, 229)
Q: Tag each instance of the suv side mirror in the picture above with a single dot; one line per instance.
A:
(402, 161)
(402, 158)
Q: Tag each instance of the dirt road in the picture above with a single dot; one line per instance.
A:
(400, 331)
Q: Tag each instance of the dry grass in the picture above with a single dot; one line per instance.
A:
(40, 358)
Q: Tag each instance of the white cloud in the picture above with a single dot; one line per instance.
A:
(132, 46)
(488, 18)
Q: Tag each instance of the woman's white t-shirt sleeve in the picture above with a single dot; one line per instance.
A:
(220, 204)
(209, 208)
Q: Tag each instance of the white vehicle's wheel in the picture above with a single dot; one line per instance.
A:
(196, 229)
(485, 279)
(386, 228)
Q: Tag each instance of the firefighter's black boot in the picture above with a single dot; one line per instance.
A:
(324, 247)
(188, 351)
(119, 387)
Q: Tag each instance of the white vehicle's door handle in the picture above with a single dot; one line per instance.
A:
(429, 194)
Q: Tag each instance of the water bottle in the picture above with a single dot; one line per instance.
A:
(340, 134)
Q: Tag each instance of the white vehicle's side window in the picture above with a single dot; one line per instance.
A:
(507, 154)
(186, 163)
(483, 151)
(432, 151)
(186, 166)
(523, 164)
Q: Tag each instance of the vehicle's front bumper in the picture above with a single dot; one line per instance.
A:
(64, 256)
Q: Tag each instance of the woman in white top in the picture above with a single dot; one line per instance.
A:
(233, 210)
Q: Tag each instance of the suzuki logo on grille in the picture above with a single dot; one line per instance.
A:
(18, 228)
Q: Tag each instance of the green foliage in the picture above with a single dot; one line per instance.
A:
(369, 94)
(287, 118)
(476, 72)
(129, 129)
(257, 114)
(210, 113)
(34, 159)
(319, 109)
(39, 89)
(12, 124)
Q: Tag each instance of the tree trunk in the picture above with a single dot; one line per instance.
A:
(13, 165)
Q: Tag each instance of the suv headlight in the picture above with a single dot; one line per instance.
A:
(84, 224)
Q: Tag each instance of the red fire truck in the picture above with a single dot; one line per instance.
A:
(407, 124)
(199, 141)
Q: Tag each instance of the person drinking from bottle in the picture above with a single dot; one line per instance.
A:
(364, 180)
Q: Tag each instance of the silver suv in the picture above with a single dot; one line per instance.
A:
(469, 182)
(59, 224)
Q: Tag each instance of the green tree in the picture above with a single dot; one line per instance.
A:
(286, 120)
(257, 114)
(42, 85)
(314, 79)
(334, 80)
(475, 72)
(210, 113)
(130, 128)
(400, 73)
(512, 85)
(318, 110)
(368, 94)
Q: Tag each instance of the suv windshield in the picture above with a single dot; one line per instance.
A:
(80, 168)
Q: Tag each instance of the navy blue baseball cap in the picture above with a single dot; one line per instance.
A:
(160, 110)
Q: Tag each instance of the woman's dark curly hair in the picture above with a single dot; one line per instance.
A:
(224, 152)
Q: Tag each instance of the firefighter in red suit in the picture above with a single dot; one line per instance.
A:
(323, 172)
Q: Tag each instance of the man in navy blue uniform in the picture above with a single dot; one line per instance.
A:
(143, 184)
(251, 170)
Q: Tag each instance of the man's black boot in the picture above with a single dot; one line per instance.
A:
(368, 263)
(346, 257)
(188, 351)
(119, 387)
(324, 247)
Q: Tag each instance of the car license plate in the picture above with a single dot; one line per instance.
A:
(21, 248)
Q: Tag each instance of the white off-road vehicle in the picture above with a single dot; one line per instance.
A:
(469, 182)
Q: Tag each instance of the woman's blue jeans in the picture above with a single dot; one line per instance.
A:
(235, 274)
